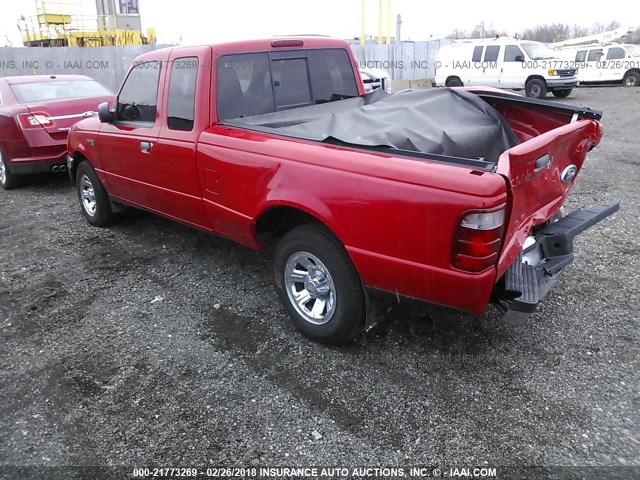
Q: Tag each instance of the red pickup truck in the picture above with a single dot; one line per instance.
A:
(450, 196)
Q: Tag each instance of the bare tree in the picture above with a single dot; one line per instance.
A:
(482, 30)
(604, 27)
(634, 37)
(457, 34)
(579, 31)
(548, 33)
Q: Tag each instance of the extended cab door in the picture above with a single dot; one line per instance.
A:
(173, 174)
(126, 145)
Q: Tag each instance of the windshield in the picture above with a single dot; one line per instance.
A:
(634, 50)
(538, 51)
(58, 90)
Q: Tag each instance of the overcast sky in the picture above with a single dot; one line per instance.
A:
(209, 21)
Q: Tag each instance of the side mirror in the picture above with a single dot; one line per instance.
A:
(104, 114)
(519, 58)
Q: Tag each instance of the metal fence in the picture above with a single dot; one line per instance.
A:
(108, 65)
(404, 61)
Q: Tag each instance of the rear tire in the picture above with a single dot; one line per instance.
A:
(536, 88)
(93, 198)
(8, 181)
(631, 79)
(319, 286)
(562, 93)
(454, 82)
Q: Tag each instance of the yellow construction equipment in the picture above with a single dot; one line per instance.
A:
(64, 23)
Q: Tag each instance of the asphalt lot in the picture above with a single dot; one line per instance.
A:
(151, 343)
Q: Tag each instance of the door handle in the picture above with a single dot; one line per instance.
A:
(145, 147)
(543, 161)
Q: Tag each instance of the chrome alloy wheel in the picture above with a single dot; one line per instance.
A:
(310, 288)
(88, 195)
(3, 171)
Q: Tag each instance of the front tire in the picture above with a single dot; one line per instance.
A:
(93, 198)
(562, 93)
(536, 88)
(454, 82)
(8, 181)
(631, 79)
(319, 286)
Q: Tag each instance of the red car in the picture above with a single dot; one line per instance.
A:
(36, 114)
(450, 196)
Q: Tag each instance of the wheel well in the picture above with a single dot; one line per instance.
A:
(631, 70)
(535, 77)
(79, 158)
(278, 221)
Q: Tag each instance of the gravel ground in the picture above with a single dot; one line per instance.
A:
(153, 344)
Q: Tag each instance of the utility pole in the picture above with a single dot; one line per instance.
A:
(379, 22)
(388, 22)
(363, 23)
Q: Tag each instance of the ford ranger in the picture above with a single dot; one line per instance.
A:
(452, 196)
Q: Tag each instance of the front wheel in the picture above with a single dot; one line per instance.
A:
(562, 93)
(454, 82)
(93, 198)
(319, 286)
(8, 181)
(536, 88)
(631, 79)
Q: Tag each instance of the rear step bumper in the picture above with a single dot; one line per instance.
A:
(535, 271)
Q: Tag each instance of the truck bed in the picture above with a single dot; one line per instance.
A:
(452, 125)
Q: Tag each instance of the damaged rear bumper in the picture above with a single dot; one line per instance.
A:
(542, 259)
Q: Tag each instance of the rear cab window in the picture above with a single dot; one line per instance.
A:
(291, 82)
(258, 83)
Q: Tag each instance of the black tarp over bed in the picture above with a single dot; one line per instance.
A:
(441, 121)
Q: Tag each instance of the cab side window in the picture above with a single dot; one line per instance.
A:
(594, 55)
(138, 98)
(491, 53)
(581, 56)
(615, 53)
(477, 54)
(513, 54)
(182, 94)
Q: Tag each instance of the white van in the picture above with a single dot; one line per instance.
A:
(505, 63)
(612, 63)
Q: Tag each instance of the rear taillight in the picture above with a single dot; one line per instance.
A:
(35, 120)
(478, 240)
